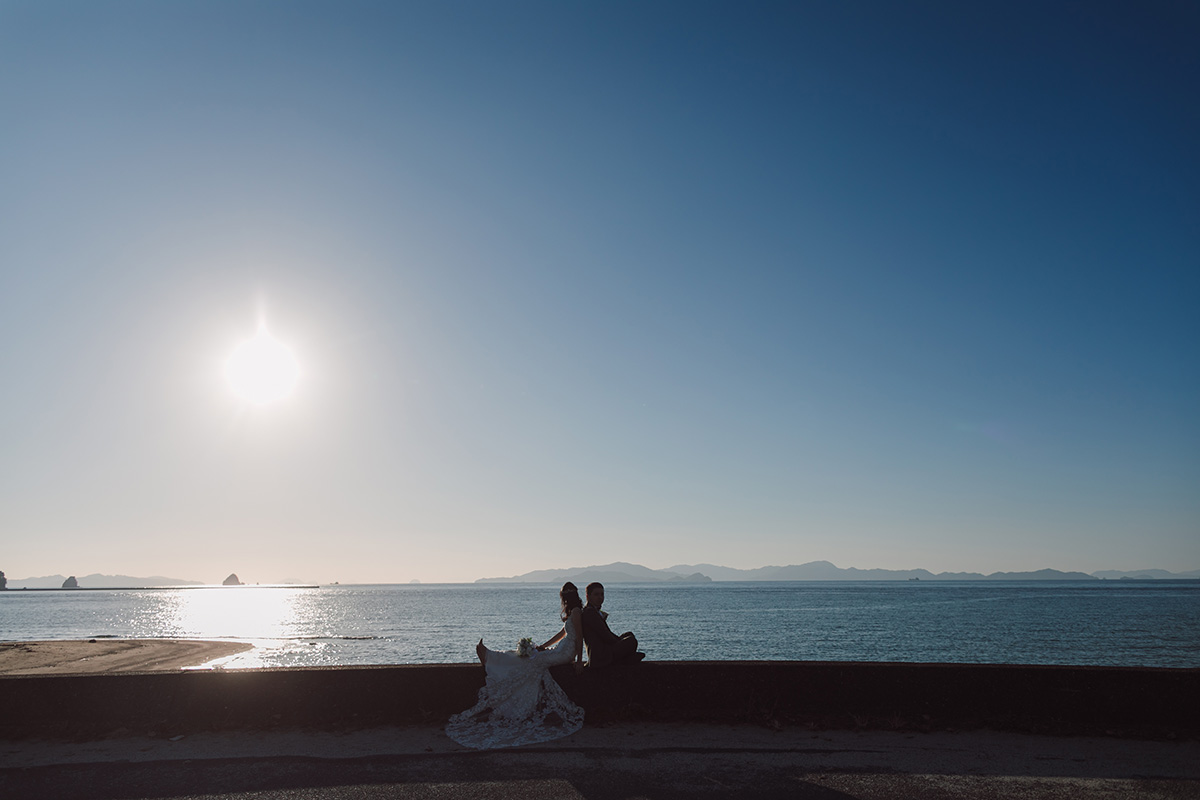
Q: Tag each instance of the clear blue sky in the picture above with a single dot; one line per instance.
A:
(891, 285)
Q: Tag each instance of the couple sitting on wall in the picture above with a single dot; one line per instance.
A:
(520, 703)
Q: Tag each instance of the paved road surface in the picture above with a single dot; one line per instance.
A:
(636, 760)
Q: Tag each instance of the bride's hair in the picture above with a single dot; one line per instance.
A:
(570, 599)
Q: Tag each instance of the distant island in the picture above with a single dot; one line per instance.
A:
(621, 572)
(97, 581)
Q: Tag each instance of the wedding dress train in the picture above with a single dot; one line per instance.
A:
(520, 703)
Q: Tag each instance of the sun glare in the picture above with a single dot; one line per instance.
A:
(262, 370)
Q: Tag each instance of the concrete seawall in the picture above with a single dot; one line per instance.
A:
(1132, 702)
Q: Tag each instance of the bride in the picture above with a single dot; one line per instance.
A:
(521, 703)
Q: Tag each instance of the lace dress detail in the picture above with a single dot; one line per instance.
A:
(520, 703)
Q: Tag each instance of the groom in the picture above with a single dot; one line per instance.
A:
(604, 646)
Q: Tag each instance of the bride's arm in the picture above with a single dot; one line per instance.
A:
(554, 638)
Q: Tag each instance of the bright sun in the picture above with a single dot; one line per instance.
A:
(262, 370)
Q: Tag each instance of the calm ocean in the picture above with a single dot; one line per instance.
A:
(1115, 623)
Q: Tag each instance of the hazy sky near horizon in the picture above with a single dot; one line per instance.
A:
(887, 284)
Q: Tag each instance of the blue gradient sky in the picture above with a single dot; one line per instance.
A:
(892, 285)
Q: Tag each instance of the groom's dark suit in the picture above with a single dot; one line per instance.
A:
(605, 647)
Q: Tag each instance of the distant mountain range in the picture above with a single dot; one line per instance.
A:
(825, 571)
(621, 572)
(99, 582)
(1145, 574)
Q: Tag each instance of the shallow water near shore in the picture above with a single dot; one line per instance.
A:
(1090, 623)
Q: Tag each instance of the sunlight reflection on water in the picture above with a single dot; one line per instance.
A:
(236, 613)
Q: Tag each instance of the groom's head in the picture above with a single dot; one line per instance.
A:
(595, 594)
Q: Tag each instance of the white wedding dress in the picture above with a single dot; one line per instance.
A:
(520, 703)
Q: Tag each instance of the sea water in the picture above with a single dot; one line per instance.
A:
(1122, 623)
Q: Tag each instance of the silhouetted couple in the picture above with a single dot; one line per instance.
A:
(520, 703)
(603, 646)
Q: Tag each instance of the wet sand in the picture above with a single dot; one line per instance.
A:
(111, 655)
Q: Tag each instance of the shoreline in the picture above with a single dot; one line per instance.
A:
(100, 656)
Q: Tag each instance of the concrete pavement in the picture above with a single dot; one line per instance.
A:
(601, 762)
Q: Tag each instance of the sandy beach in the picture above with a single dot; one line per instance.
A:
(111, 655)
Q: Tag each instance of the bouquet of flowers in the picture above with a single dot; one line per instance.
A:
(525, 648)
